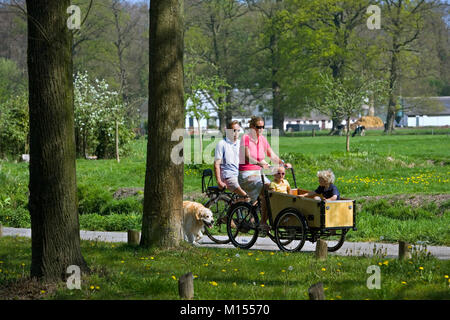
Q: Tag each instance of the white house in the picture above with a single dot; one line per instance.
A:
(208, 105)
(313, 120)
(244, 106)
(425, 114)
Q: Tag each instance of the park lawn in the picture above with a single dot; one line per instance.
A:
(377, 165)
(121, 271)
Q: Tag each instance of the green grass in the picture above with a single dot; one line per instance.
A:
(378, 165)
(125, 272)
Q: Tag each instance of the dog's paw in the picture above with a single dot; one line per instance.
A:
(195, 244)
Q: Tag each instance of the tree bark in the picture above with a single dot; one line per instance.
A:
(277, 112)
(389, 127)
(347, 135)
(163, 194)
(117, 141)
(55, 241)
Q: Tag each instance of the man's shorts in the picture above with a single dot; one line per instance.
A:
(232, 183)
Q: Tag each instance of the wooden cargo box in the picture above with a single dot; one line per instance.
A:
(331, 214)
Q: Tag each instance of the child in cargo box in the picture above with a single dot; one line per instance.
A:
(326, 188)
(279, 184)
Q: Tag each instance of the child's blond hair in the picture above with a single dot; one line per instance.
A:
(327, 175)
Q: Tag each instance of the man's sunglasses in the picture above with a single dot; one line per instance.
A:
(259, 127)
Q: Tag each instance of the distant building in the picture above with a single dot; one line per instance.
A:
(212, 122)
(313, 120)
(429, 112)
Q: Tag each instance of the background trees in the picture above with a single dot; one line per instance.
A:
(266, 48)
(100, 122)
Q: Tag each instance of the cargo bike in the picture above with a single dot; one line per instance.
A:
(293, 220)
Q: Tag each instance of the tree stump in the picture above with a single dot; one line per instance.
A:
(321, 250)
(404, 250)
(186, 286)
(316, 292)
(133, 237)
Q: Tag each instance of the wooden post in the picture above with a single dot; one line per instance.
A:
(316, 292)
(133, 237)
(404, 250)
(1, 230)
(313, 132)
(321, 249)
(186, 286)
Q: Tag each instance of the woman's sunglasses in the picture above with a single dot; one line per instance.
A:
(259, 127)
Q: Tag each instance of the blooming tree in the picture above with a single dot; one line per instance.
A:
(99, 113)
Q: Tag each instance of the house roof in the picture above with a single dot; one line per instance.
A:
(314, 116)
(415, 106)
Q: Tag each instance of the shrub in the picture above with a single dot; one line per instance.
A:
(93, 199)
(15, 218)
(14, 126)
(112, 222)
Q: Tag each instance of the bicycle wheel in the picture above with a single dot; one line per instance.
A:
(290, 230)
(242, 225)
(336, 246)
(219, 207)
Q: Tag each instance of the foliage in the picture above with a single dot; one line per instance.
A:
(111, 222)
(95, 199)
(14, 126)
(345, 96)
(202, 90)
(12, 82)
(97, 112)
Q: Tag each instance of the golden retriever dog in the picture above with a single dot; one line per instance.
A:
(196, 216)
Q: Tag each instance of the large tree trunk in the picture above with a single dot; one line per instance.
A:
(389, 126)
(163, 194)
(55, 241)
(277, 112)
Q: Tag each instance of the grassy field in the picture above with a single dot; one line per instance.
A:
(124, 272)
(400, 182)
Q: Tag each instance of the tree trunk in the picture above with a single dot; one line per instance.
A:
(277, 112)
(228, 109)
(347, 140)
(117, 141)
(198, 156)
(163, 194)
(55, 241)
(389, 126)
